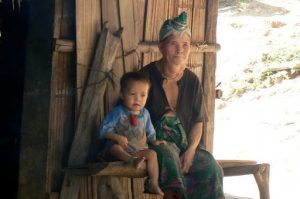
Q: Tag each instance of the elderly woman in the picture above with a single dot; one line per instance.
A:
(187, 170)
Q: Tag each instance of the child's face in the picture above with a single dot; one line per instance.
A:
(135, 95)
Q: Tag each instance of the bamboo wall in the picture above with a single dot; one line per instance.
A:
(141, 20)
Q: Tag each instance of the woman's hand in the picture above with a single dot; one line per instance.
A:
(187, 160)
(158, 142)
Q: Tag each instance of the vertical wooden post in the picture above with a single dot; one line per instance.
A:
(262, 180)
(62, 113)
(209, 72)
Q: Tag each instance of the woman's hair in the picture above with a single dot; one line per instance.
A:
(132, 76)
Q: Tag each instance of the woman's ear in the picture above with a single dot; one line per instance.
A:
(160, 47)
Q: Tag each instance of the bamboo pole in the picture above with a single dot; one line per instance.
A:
(209, 73)
(197, 47)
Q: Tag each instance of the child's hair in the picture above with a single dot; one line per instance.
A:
(132, 76)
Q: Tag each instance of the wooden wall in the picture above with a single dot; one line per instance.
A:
(49, 98)
(36, 102)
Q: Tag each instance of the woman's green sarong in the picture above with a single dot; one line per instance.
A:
(204, 180)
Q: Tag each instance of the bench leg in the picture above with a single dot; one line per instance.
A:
(262, 180)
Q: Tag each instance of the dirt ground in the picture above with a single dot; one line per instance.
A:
(256, 118)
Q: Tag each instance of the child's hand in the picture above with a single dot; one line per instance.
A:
(123, 141)
(158, 142)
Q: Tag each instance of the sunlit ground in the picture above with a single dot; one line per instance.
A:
(262, 124)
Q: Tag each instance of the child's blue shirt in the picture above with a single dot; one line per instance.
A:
(119, 121)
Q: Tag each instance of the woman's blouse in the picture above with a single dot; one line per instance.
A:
(189, 102)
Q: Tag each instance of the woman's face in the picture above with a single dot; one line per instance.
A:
(176, 49)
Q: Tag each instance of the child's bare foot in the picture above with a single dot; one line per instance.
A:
(153, 188)
(156, 189)
(137, 161)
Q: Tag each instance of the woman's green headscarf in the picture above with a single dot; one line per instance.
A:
(176, 25)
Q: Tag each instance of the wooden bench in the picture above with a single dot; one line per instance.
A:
(230, 168)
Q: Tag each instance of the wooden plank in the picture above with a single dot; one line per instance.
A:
(241, 170)
(104, 56)
(61, 118)
(88, 112)
(130, 40)
(244, 169)
(62, 95)
(124, 170)
(52, 123)
(70, 187)
(88, 26)
(64, 45)
(235, 163)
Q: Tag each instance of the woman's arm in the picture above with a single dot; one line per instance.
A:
(195, 135)
(194, 140)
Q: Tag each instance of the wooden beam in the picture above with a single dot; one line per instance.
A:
(94, 90)
(89, 109)
(241, 170)
(235, 163)
(64, 45)
(120, 169)
(197, 47)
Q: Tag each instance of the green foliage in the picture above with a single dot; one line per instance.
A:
(258, 75)
(281, 55)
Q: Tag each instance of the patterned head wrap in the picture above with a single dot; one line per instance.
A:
(176, 25)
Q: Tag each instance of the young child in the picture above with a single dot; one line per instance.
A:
(128, 129)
